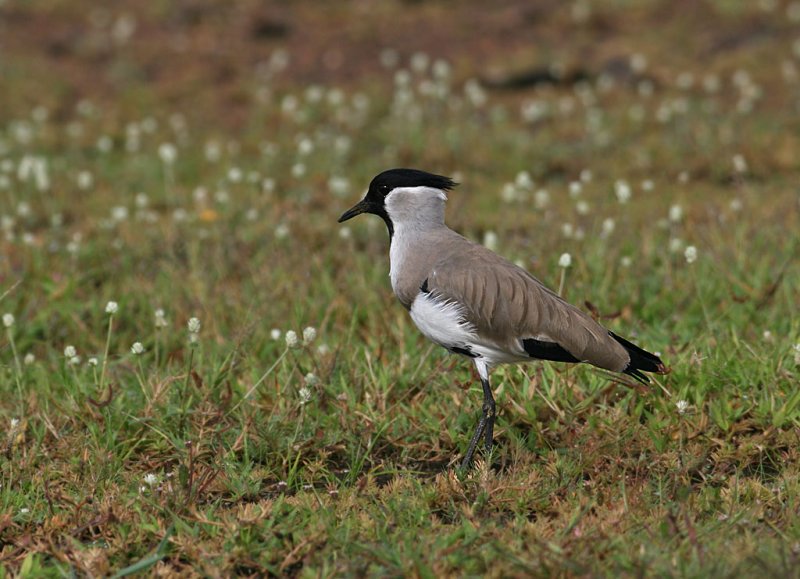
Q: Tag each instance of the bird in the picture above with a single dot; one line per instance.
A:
(477, 304)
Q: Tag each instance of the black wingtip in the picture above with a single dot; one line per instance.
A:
(641, 361)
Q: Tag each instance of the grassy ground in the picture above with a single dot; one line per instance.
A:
(240, 449)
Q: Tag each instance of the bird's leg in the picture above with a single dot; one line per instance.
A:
(473, 443)
(485, 424)
(489, 412)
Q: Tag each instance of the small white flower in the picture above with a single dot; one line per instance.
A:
(541, 198)
(682, 406)
(767, 335)
(281, 231)
(626, 261)
(161, 320)
(70, 352)
(690, 254)
(323, 350)
(168, 153)
(608, 226)
(291, 339)
(796, 349)
(309, 335)
(490, 240)
(137, 348)
(565, 260)
(311, 379)
(275, 334)
(575, 189)
(92, 361)
(675, 213)
(112, 308)
(739, 164)
(305, 395)
(8, 320)
(24, 511)
(14, 423)
(623, 191)
(29, 359)
(151, 479)
(75, 360)
(675, 245)
(193, 325)
(582, 207)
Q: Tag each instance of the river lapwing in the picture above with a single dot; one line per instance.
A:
(475, 303)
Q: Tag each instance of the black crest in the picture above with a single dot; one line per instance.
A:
(384, 183)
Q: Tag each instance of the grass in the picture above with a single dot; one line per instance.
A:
(233, 453)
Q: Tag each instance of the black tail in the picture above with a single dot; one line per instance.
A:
(641, 361)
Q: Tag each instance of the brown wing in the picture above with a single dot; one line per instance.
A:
(507, 305)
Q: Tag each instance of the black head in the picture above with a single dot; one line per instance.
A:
(374, 201)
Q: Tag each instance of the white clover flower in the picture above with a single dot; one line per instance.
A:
(305, 395)
(24, 511)
(541, 198)
(8, 320)
(490, 240)
(85, 180)
(623, 191)
(626, 261)
(311, 379)
(14, 423)
(796, 349)
(70, 352)
(582, 207)
(137, 348)
(160, 319)
(675, 213)
(675, 245)
(168, 153)
(75, 360)
(291, 339)
(682, 406)
(112, 308)
(298, 170)
(608, 226)
(323, 349)
(565, 260)
(690, 254)
(282, 231)
(150, 479)
(739, 164)
(523, 180)
(575, 189)
(275, 334)
(29, 359)
(92, 361)
(193, 325)
(339, 186)
(309, 335)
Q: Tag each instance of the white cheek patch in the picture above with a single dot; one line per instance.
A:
(441, 321)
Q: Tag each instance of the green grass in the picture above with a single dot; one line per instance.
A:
(240, 455)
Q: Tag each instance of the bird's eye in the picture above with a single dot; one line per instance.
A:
(383, 189)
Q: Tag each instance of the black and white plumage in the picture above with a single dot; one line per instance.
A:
(475, 303)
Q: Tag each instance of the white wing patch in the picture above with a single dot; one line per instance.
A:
(442, 321)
